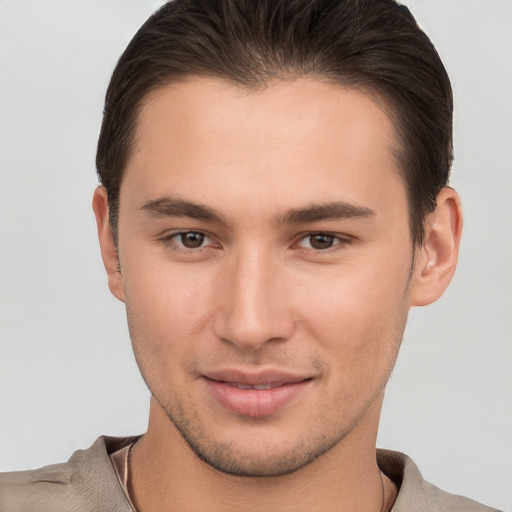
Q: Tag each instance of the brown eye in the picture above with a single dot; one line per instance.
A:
(192, 239)
(321, 241)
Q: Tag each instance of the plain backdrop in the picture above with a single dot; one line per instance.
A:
(67, 373)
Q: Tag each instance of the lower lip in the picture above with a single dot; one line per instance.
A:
(255, 402)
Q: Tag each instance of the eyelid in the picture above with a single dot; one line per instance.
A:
(169, 239)
(342, 241)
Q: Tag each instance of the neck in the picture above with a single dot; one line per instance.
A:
(165, 474)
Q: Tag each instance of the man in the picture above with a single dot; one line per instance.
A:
(274, 201)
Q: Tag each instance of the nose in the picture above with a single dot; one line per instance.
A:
(254, 306)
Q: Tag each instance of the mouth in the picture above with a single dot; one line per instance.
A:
(238, 385)
(255, 394)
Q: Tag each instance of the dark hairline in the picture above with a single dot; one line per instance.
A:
(374, 46)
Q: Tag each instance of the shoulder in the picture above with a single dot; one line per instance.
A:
(416, 494)
(87, 482)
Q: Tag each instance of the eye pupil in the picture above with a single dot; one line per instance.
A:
(192, 240)
(321, 241)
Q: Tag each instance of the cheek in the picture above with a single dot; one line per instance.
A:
(358, 328)
(358, 311)
(167, 308)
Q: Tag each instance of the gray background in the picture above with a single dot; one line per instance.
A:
(66, 370)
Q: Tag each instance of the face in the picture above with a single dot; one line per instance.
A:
(265, 259)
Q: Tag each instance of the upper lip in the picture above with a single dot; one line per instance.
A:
(262, 377)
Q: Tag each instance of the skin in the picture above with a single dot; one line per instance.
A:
(276, 282)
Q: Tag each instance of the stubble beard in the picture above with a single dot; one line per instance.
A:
(233, 459)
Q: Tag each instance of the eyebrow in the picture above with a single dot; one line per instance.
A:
(174, 207)
(324, 212)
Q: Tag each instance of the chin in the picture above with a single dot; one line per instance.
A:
(265, 454)
(237, 461)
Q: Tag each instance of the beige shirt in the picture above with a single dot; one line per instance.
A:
(89, 482)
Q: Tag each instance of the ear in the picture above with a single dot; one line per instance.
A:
(107, 243)
(437, 258)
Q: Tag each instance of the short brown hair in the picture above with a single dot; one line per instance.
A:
(372, 45)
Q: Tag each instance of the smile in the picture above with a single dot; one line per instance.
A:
(255, 386)
(257, 395)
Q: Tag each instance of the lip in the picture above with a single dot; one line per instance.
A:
(255, 394)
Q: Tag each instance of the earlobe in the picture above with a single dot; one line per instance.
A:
(436, 260)
(107, 244)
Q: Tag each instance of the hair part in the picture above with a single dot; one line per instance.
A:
(372, 45)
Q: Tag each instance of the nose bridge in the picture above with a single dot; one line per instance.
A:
(254, 309)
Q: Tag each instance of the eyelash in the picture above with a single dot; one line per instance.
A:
(170, 241)
(339, 243)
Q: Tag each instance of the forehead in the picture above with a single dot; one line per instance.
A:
(291, 141)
